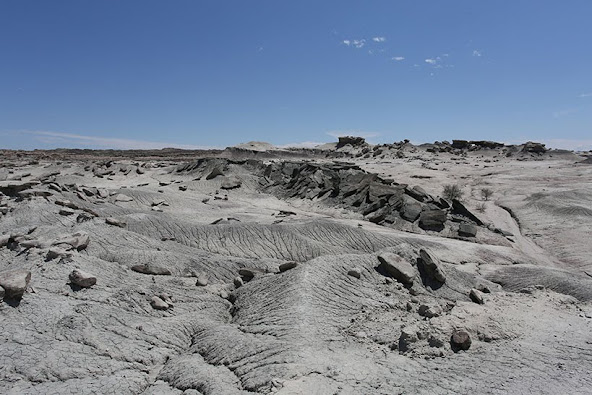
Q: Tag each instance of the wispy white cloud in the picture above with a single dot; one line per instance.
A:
(585, 95)
(69, 140)
(398, 58)
(477, 53)
(379, 39)
(355, 43)
(563, 113)
(431, 61)
(303, 144)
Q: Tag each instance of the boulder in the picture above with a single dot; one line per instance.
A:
(476, 296)
(1, 294)
(202, 280)
(238, 282)
(418, 193)
(355, 272)
(78, 241)
(410, 210)
(31, 243)
(407, 338)
(158, 304)
(57, 252)
(115, 222)
(248, 273)
(429, 311)
(431, 266)
(397, 267)
(15, 283)
(460, 340)
(460, 209)
(66, 212)
(467, 230)
(82, 279)
(4, 240)
(287, 266)
(231, 183)
(151, 269)
(432, 220)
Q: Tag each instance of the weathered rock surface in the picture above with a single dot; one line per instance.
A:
(82, 279)
(397, 267)
(153, 269)
(460, 340)
(431, 265)
(15, 282)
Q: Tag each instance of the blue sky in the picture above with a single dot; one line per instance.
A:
(148, 74)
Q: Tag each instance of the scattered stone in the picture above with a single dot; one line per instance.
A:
(151, 269)
(431, 265)
(82, 279)
(31, 243)
(238, 282)
(287, 266)
(4, 240)
(1, 294)
(429, 311)
(432, 220)
(83, 217)
(158, 304)
(407, 338)
(78, 241)
(115, 222)
(166, 298)
(67, 203)
(202, 280)
(467, 230)
(66, 212)
(397, 267)
(120, 197)
(231, 183)
(476, 296)
(355, 272)
(248, 273)
(15, 283)
(57, 252)
(460, 340)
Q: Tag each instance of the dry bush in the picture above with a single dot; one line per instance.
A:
(452, 192)
(486, 193)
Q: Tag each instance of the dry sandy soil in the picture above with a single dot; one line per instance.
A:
(337, 270)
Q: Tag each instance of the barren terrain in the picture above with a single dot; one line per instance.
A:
(342, 269)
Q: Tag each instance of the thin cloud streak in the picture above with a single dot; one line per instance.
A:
(85, 141)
